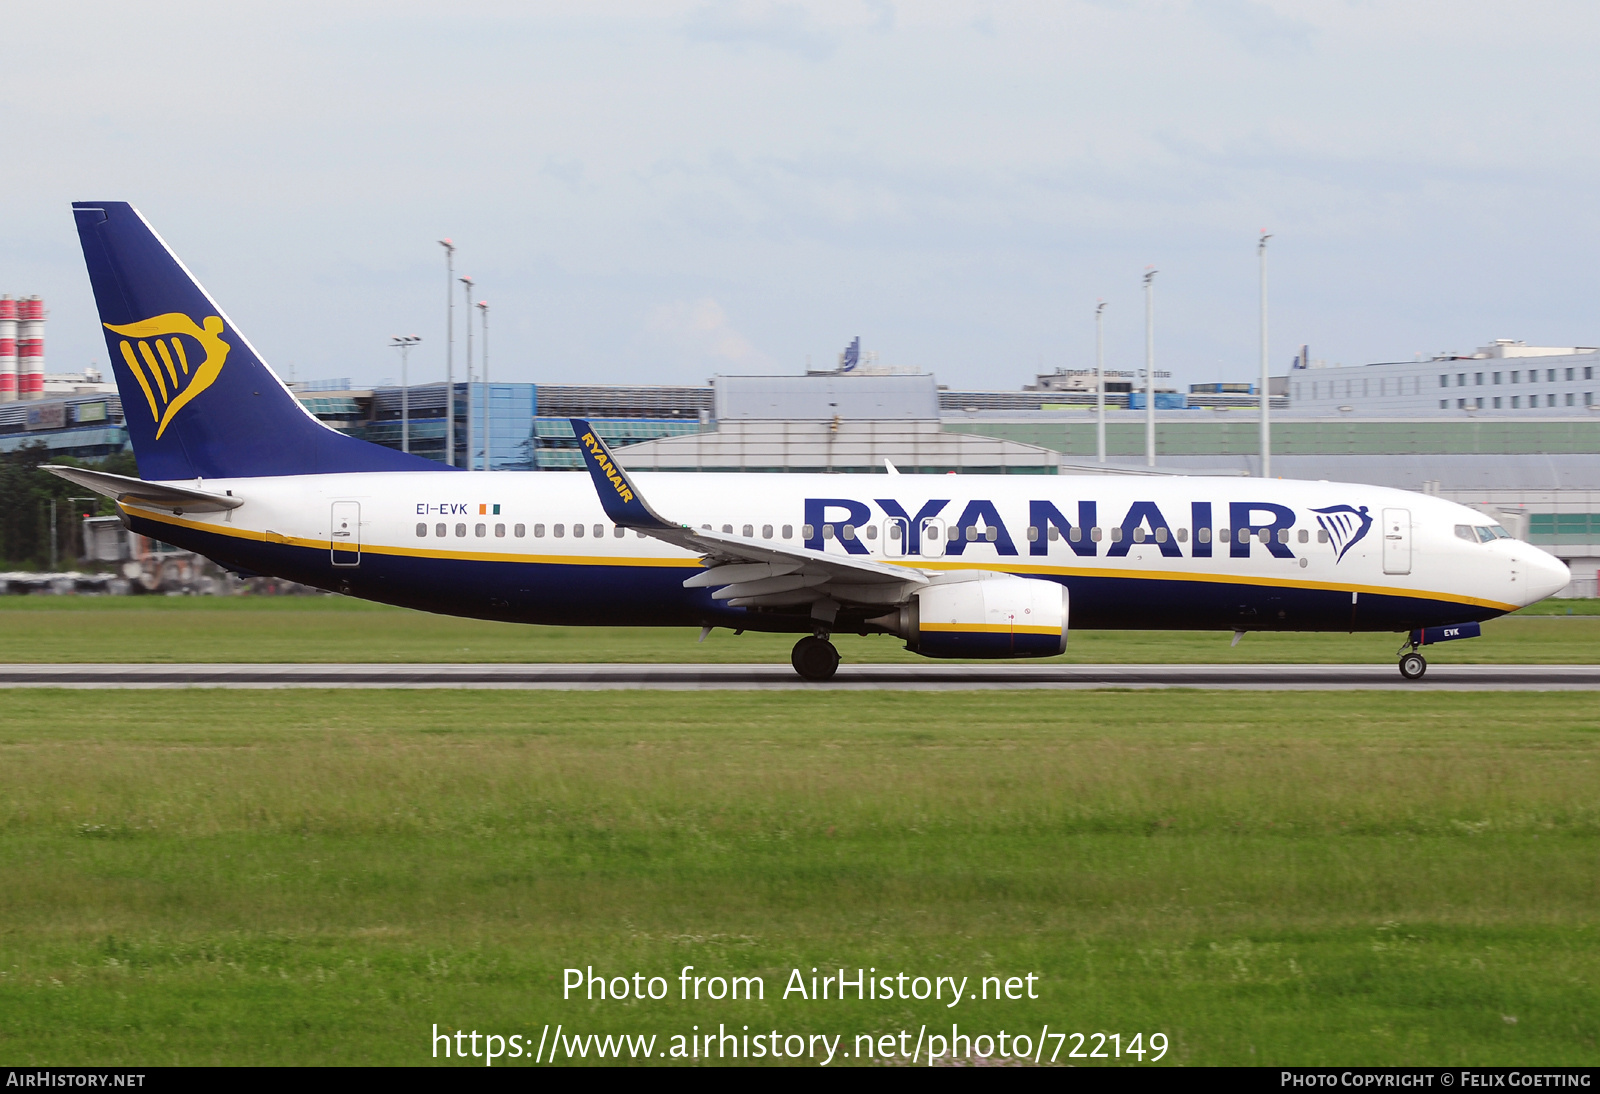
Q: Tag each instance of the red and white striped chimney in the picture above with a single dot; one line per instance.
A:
(30, 348)
(8, 349)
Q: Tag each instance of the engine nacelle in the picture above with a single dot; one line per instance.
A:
(999, 616)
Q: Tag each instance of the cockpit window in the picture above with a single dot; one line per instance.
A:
(1481, 533)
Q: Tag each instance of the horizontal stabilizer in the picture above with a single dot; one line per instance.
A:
(147, 495)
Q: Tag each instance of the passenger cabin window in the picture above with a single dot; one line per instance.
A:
(499, 531)
(1033, 534)
(749, 531)
(991, 534)
(1304, 535)
(558, 530)
(538, 531)
(788, 531)
(727, 529)
(599, 531)
(1183, 535)
(872, 531)
(848, 532)
(766, 531)
(1094, 533)
(806, 531)
(439, 530)
(827, 531)
(577, 531)
(519, 530)
(1203, 535)
(480, 530)
(461, 530)
(618, 532)
(422, 530)
(1116, 535)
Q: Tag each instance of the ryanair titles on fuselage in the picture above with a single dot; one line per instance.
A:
(1263, 522)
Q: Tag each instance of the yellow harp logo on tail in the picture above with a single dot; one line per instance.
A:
(161, 364)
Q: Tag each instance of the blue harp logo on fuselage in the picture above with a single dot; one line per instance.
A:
(1345, 525)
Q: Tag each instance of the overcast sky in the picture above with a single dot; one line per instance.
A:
(660, 192)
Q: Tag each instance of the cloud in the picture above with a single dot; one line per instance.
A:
(1255, 26)
(701, 327)
(784, 27)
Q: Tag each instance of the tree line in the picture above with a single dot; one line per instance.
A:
(25, 496)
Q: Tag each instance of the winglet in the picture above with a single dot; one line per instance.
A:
(619, 497)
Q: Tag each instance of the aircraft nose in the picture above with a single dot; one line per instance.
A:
(1546, 575)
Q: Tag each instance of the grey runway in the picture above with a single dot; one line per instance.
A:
(932, 676)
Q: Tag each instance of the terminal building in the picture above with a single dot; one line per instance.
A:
(1431, 426)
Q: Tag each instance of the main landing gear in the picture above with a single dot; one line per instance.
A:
(1412, 663)
(814, 657)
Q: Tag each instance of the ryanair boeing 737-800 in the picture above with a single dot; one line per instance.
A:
(233, 467)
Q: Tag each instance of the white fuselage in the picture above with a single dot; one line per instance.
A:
(1135, 550)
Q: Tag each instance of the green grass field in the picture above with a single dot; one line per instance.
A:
(269, 629)
(320, 876)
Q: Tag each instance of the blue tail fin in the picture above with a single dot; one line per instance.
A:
(197, 399)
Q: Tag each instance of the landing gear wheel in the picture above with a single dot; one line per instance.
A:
(814, 658)
(1412, 666)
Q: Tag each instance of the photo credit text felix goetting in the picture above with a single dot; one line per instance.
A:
(942, 1038)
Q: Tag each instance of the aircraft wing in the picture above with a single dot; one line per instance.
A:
(750, 572)
(148, 495)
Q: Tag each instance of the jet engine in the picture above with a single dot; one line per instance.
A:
(991, 616)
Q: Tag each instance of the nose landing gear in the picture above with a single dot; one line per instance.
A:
(814, 657)
(1412, 663)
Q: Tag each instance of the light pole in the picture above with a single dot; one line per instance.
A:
(1149, 369)
(483, 354)
(449, 350)
(403, 343)
(466, 285)
(1266, 395)
(1100, 380)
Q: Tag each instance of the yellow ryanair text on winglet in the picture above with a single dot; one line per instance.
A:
(164, 332)
(596, 449)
